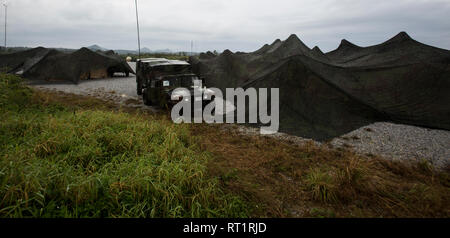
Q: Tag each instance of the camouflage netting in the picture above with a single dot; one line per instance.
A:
(16, 62)
(326, 95)
(52, 65)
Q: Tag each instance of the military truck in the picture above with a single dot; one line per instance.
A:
(156, 78)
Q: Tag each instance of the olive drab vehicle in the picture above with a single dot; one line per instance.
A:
(156, 78)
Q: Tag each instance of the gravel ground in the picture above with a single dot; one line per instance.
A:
(391, 141)
(121, 88)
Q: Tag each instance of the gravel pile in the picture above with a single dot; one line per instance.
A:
(400, 142)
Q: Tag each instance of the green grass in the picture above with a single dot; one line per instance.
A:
(57, 162)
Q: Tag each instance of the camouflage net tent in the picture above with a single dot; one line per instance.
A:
(20, 61)
(326, 95)
(52, 65)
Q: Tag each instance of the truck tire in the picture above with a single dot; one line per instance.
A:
(139, 89)
(145, 98)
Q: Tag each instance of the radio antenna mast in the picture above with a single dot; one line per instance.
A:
(6, 18)
(137, 25)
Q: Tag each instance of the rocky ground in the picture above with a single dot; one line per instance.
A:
(389, 140)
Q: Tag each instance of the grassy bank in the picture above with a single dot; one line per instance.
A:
(59, 160)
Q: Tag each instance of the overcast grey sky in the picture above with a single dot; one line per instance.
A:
(238, 25)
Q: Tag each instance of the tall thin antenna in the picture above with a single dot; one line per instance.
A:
(6, 18)
(137, 24)
(192, 47)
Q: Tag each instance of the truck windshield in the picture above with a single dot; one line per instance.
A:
(173, 69)
(185, 81)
